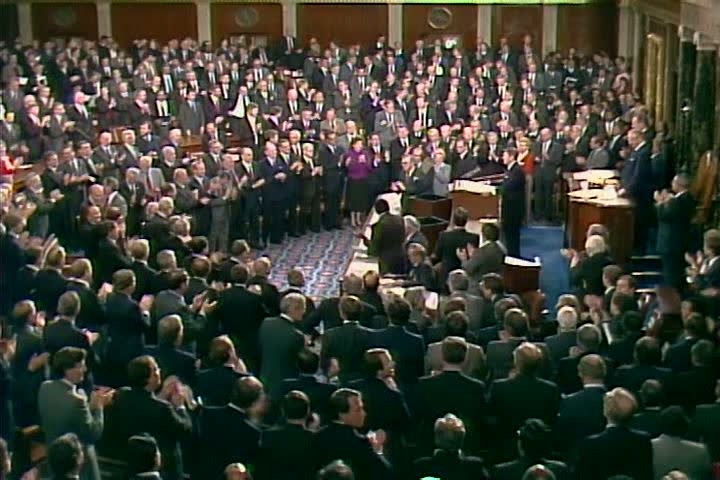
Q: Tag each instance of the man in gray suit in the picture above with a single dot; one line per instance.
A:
(387, 123)
(191, 115)
(672, 452)
(281, 342)
(488, 258)
(65, 409)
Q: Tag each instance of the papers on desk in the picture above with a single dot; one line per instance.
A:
(595, 176)
(472, 187)
(601, 196)
(521, 262)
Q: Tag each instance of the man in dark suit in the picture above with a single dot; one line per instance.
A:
(636, 181)
(451, 391)
(329, 309)
(341, 439)
(448, 460)
(588, 340)
(145, 275)
(223, 368)
(645, 367)
(618, 450)
(407, 349)
(293, 438)
(384, 403)
(280, 342)
(13, 258)
(674, 213)
(167, 353)
(559, 344)
(310, 189)
(343, 346)
(243, 330)
(581, 413)
(274, 193)
(317, 391)
(508, 397)
(549, 155)
(706, 424)
(92, 312)
(450, 241)
(513, 202)
(227, 432)
(330, 156)
(386, 240)
(110, 257)
(136, 409)
(50, 283)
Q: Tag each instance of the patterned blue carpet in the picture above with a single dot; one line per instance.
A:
(323, 257)
(545, 242)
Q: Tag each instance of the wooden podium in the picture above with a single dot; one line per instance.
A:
(478, 198)
(586, 207)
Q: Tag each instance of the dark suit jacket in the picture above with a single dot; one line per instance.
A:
(92, 312)
(386, 408)
(450, 392)
(407, 350)
(109, 260)
(329, 313)
(317, 391)
(215, 384)
(706, 425)
(298, 453)
(677, 357)
(450, 466)
(127, 327)
(145, 279)
(48, 286)
(347, 343)
(13, 258)
(581, 415)
(338, 441)
(386, 243)
(173, 361)
(500, 357)
(587, 275)
(632, 377)
(244, 329)
(446, 248)
(648, 420)
(135, 411)
(615, 451)
(559, 345)
(674, 218)
(280, 343)
(228, 436)
(513, 197)
(510, 405)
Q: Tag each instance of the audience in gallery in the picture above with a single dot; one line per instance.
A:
(142, 334)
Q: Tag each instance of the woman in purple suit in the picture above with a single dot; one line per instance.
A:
(359, 165)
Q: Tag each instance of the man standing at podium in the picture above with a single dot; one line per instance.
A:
(513, 202)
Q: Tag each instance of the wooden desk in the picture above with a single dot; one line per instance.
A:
(585, 208)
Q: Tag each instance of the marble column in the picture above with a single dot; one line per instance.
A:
(638, 37)
(395, 24)
(549, 29)
(686, 69)
(484, 24)
(25, 25)
(703, 115)
(289, 10)
(104, 18)
(625, 29)
(717, 105)
(204, 20)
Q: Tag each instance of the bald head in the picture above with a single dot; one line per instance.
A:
(592, 369)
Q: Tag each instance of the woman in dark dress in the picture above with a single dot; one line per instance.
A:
(359, 167)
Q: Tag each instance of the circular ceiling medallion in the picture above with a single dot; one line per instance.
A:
(439, 18)
(246, 17)
(64, 17)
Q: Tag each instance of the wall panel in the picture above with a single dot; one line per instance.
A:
(463, 22)
(64, 19)
(515, 22)
(230, 19)
(346, 23)
(162, 21)
(589, 28)
(8, 21)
